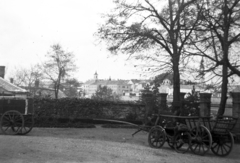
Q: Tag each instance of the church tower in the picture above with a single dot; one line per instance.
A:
(96, 76)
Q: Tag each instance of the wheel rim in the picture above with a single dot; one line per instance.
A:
(156, 137)
(201, 140)
(28, 125)
(182, 142)
(11, 122)
(222, 144)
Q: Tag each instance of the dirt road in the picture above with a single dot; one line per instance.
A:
(44, 145)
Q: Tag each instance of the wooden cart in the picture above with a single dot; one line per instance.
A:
(16, 115)
(221, 141)
(199, 134)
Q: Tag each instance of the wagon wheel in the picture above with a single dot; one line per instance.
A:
(182, 142)
(12, 122)
(156, 137)
(222, 144)
(201, 140)
(28, 125)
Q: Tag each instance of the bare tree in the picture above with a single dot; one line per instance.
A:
(217, 39)
(58, 66)
(144, 25)
(27, 76)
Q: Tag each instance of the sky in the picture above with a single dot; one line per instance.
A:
(29, 27)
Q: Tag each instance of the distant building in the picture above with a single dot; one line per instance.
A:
(138, 85)
(167, 87)
(117, 86)
(38, 91)
(131, 89)
(126, 89)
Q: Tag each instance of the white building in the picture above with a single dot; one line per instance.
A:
(119, 87)
(126, 89)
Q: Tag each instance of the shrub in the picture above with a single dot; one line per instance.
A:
(68, 111)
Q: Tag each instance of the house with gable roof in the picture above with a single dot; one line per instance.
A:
(7, 88)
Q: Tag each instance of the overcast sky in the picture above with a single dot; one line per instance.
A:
(29, 27)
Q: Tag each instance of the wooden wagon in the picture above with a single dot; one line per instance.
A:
(199, 134)
(16, 115)
(217, 132)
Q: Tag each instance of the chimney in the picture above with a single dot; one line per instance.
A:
(2, 71)
(11, 80)
(37, 83)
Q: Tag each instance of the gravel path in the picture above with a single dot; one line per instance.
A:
(44, 145)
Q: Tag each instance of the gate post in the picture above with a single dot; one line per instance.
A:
(205, 104)
(162, 102)
(147, 98)
(236, 109)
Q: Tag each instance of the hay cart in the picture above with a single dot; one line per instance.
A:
(199, 134)
(16, 115)
(220, 139)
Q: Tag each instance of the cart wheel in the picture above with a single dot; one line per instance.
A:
(156, 137)
(182, 142)
(12, 122)
(222, 144)
(28, 125)
(201, 140)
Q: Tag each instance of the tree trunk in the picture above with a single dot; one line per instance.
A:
(224, 88)
(176, 87)
(57, 86)
(56, 90)
(225, 48)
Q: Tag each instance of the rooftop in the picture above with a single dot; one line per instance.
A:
(6, 85)
(107, 82)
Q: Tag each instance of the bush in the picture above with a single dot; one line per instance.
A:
(131, 116)
(67, 111)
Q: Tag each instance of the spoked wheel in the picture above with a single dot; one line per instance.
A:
(201, 140)
(156, 137)
(12, 122)
(182, 142)
(222, 144)
(28, 125)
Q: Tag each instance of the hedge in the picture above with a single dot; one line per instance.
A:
(74, 112)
